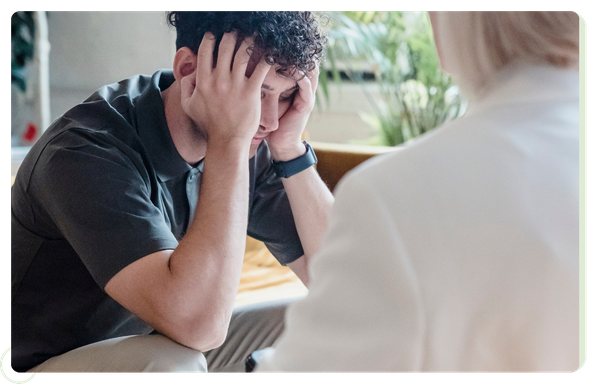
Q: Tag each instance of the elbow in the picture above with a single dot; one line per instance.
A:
(211, 340)
(202, 335)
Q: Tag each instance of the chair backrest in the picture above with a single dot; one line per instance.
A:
(335, 160)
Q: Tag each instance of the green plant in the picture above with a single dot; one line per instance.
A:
(22, 38)
(414, 95)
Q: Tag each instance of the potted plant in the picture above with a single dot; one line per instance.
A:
(30, 106)
(413, 94)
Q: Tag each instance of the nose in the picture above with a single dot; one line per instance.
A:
(269, 115)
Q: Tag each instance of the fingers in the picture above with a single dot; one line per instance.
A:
(226, 51)
(205, 54)
(242, 58)
(314, 78)
(307, 88)
(260, 72)
(240, 63)
(307, 85)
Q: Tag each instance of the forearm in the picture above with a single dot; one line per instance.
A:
(310, 200)
(220, 220)
(207, 264)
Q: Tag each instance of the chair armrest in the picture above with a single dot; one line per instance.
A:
(335, 160)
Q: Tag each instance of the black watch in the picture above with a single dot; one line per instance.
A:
(290, 168)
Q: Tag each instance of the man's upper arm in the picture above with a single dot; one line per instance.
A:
(100, 202)
(143, 279)
(102, 205)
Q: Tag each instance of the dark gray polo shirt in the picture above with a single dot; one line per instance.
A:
(103, 187)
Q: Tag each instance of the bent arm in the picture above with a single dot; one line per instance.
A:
(309, 197)
(188, 293)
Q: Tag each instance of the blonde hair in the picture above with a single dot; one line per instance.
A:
(474, 46)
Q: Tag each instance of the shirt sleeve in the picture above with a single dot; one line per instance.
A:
(363, 311)
(98, 194)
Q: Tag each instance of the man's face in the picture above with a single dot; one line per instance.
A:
(277, 95)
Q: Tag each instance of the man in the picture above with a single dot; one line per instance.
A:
(129, 215)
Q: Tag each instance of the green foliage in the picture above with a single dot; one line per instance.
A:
(414, 95)
(22, 37)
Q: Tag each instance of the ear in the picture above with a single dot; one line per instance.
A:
(184, 63)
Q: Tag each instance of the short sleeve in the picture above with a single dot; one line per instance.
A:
(98, 194)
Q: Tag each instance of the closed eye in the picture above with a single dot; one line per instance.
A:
(288, 95)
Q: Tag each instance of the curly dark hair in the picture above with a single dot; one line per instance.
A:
(292, 40)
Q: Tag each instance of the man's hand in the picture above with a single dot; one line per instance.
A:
(285, 143)
(222, 100)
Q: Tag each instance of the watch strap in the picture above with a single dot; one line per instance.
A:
(290, 168)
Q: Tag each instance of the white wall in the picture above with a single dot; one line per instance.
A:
(92, 49)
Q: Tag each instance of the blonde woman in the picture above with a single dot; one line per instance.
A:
(460, 252)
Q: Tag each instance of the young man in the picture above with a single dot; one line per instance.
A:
(129, 215)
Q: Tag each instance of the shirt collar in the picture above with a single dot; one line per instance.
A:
(154, 132)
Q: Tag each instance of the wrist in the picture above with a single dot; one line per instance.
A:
(287, 169)
(228, 147)
(288, 153)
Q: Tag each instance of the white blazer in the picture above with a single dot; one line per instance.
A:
(459, 252)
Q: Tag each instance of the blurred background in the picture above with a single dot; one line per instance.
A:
(380, 83)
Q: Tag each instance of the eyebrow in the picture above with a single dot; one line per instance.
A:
(268, 87)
